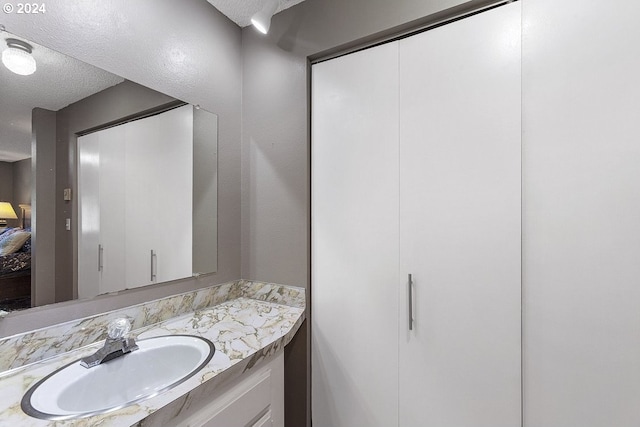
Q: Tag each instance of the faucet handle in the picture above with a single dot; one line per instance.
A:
(119, 328)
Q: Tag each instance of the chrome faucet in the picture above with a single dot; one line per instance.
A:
(116, 344)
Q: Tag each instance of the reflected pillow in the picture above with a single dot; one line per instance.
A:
(27, 246)
(5, 231)
(13, 242)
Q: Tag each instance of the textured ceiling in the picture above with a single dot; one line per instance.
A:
(58, 81)
(241, 11)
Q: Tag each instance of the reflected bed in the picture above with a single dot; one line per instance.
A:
(15, 274)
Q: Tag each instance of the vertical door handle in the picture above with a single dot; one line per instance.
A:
(154, 261)
(100, 257)
(410, 302)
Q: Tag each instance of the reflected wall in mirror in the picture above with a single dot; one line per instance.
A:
(47, 122)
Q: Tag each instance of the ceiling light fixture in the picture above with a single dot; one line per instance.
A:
(17, 57)
(262, 19)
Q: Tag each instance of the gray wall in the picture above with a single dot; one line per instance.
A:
(275, 140)
(6, 182)
(185, 49)
(43, 150)
(15, 186)
(21, 185)
(205, 191)
(22, 182)
(6, 189)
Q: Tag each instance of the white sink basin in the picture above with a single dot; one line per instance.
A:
(160, 364)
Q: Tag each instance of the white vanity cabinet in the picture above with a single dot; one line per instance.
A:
(135, 193)
(256, 399)
(416, 170)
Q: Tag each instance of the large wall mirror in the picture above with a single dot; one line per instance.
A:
(105, 184)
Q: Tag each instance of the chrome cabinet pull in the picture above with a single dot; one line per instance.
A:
(100, 257)
(410, 302)
(154, 261)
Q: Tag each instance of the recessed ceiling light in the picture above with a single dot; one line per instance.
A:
(17, 57)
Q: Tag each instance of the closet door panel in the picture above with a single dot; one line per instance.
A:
(142, 194)
(581, 230)
(173, 164)
(88, 215)
(355, 239)
(112, 215)
(460, 223)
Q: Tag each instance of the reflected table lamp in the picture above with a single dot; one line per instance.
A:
(6, 212)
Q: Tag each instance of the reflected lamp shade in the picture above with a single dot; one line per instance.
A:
(262, 19)
(17, 57)
(6, 212)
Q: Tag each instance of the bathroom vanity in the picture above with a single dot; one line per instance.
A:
(249, 324)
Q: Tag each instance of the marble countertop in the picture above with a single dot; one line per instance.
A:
(245, 331)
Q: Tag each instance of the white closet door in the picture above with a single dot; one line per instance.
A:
(173, 163)
(581, 243)
(112, 214)
(460, 223)
(355, 239)
(159, 153)
(88, 215)
(141, 195)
